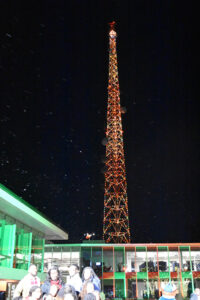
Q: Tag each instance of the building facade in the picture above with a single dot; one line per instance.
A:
(23, 232)
(132, 270)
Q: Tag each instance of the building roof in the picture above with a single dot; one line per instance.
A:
(15, 207)
(93, 244)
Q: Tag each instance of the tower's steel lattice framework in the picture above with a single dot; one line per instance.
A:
(116, 221)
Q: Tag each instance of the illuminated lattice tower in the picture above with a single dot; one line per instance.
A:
(116, 222)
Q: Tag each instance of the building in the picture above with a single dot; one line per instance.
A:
(132, 270)
(126, 270)
(23, 232)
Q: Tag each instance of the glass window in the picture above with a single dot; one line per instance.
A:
(7, 244)
(47, 259)
(153, 289)
(97, 261)
(141, 265)
(195, 258)
(23, 243)
(196, 283)
(75, 257)
(86, 253)
(163, 259)
(107, 260)
(65, 259)
(66, 255)
(142, 289)
(119, 288)
(185, 259)
(130, 261)
(37, 252)
(119, 259)
(187, 287)
(56, 256)
(152, 261)
(131, 293)
(108, 288)
(174, 261)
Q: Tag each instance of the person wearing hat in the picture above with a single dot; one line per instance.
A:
(168, 292)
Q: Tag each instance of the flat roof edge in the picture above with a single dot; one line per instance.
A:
(123, 245)
(26, 208)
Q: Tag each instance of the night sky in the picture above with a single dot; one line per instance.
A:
(53, 97)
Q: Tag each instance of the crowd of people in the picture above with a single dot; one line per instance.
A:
(54, 288)
(87, 287)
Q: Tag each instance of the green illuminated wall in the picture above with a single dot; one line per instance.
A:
(19, 245)
(37, 252)
(7, 243)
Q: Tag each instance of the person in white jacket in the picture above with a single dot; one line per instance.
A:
(74, 278)
(31, 279)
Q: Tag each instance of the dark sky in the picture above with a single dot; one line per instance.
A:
(53, 91)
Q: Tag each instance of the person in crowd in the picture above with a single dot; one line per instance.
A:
(74, 278)
(69, 296)
(169, 292)
(90, 290)
(34, 293)
(179, 296)
(69, 293)
(53, 291)
(89, 296)
(88, 275)
(195, 295)
(53, 279)
(24, 286)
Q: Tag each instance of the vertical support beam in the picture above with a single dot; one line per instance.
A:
(30, 235)
(125, 284)
(159, 289)
(147, 273)
(169, 264)
(42, 264)
(61, 253)
(113, 272)
(80, 259)
(91, 257)
(13, 245)
(102, 268)
(180, 268)
(191, 269)
(136, 276)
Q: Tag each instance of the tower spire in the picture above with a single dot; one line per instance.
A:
(116, 222)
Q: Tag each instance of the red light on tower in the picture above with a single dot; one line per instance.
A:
(116, 222)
